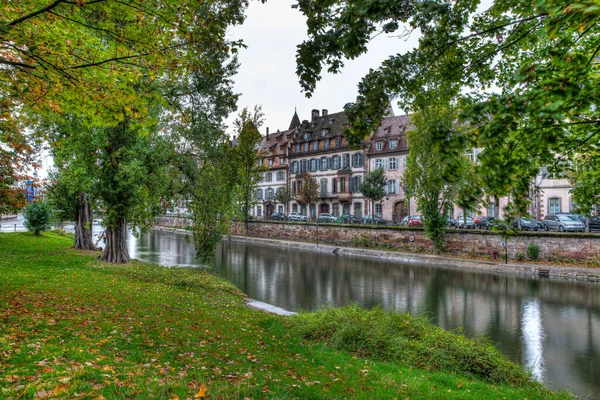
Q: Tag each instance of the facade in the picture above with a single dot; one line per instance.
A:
(387, 149)
(320, 149)
(274, 148)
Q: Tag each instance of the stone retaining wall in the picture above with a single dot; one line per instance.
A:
(553, 246)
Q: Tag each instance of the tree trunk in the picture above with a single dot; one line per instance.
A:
(83, 224)
(116, 243)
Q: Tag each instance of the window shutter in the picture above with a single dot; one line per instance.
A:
(351, 185)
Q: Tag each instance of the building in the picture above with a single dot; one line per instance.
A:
(274, 148)
(320, 149)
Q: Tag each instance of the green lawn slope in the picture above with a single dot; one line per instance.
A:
(73, 327)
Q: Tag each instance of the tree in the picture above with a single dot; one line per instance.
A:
(68, 197)
(526, 73)
(248, 159)
(38, 217)
(431, 167)
(309, 194)
(373, 187)
(284, 196)
(468, 188)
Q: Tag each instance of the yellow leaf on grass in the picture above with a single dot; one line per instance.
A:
(201, 393)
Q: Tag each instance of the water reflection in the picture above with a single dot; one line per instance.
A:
(548, 326)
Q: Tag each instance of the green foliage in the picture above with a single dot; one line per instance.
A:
(373, 187)
(402, 338)
(520, 256)
(284, 195)
(38, 217)
(533, 251)
(61, 197)
(309, 194)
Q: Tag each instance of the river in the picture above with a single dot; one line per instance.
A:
(551, 327)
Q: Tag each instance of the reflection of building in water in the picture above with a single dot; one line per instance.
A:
(533, 338)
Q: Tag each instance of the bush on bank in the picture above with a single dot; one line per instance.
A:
(402, 338)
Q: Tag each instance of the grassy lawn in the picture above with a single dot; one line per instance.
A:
(72, 327)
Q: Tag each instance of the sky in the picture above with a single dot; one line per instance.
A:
(267, 75)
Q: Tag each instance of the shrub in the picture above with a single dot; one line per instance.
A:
(533, 251)
(402, 338)
(520, 256)
(38, 217)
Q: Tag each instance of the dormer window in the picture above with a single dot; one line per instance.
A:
(260, 163)
(306, 136)
(393, 144)
(306, 146)
(315, 145)
(378, 146)
(386, 130)
(330, 122)
(297, 148)
(323, 132)
(326, 144)
(270, 163)
(281, 161)
(338, 141)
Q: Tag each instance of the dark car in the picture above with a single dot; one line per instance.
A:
(325, 217)
(595, 224)
(527, 224)
(451, 222)
(349, 219)
(278, 217)
(368, 219)
(487, 222)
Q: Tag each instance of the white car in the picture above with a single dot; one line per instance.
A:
(294, 216)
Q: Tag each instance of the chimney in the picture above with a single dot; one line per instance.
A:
(324, 112)
(314, 114)
(267, 133)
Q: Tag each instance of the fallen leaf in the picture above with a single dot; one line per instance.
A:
(201, 393)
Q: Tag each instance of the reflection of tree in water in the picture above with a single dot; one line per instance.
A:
(586, 361)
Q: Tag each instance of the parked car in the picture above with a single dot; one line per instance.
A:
(484, 222)
(404, 221)
(414, 220)
(562, 222)
(349, 219)
(368, 219)
(595, 224)
(294, 216)
(577, 217)
(527, 224)
(451, 221)
(278, 217)
(461, 222)
(325, 217)
(477, 219)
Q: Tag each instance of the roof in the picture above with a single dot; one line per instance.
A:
(276, 144)
(295, 121)
(332, 124)
(390, 128)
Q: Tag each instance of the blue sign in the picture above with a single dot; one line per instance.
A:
(30, 191)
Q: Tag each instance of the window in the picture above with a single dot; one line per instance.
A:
(346, 208)
(393, 163)
(295, 207)
(294, 167)
(378, 210)
(299, 186)
(393, 144)
(259, 194)
(306, 146)
(392, 187)
(323, 132)
(303, 209)
(343, 185)
(306, 136)
(403, 162)
(326, 144)
(313, 211)
(268, 177)
(357, 160)
(378, 146)
(303, 166)
(358, 210)
(380, 163)
(324, 164)
(260, 163)
(297, 148)
(346, 161)
(323, 187)
(334, 185)
(294, 188)
(281, 161)
(355, 182)
(280, 175)
(336, 162)
(314, 164)
(554, 205)
(315, 145)
(338, 141)
(270, 194)
(336, 209)
(270, 162)
(258, 211)
(280, 209)
(491, 209)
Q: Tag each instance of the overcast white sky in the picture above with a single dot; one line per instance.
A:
(267, 75)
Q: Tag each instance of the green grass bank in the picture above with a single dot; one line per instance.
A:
(73, 327)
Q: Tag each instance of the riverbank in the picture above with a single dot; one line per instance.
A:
(72, 327)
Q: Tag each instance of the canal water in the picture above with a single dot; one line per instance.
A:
(550, 327)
